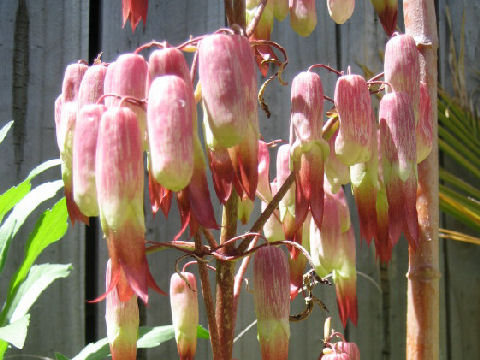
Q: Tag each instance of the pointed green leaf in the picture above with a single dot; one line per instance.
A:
(50, 227)
(202, 333)
(39, 278)
(458, 183)
(16, 332)
(13, 195)
(5, 129)
(94, 351)
(21, 211)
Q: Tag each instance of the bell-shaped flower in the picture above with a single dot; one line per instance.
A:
(354, 105)
(309, 149)
(402, 68)
(170, 132)
(271, 296)
(194, 202)
(134, 10)
(297, 260)
(229, 87)
(184, 305)
(280, 9)
(424, 129)
(303, 16)
(71, 81)
(245, 209)
(399, 164)
(127, 76)
(364, 179)
(272, 229)
(122, 318)
(83, 161)
(336, 172)
(65, 133)
(119, 179)
(387, 12)
(160, 198)
(332, 249)
(340, 10)
(91, 87)
(264, 189)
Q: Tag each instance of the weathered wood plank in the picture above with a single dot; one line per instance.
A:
(51, 35)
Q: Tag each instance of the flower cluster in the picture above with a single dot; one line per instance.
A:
(110, 116)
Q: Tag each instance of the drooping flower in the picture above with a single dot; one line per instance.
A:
(119, 180)
(91, 87)
(341, 351)
(387, 12)
(127, 76)
(364, 179)
(332, 249)
(309, 149)
(424, 128)
(399, 164)
(122, 320)
(134, 10)
(340, 10)
(303, 16)
(65, 133)
(355, 113)
(229, 88)
(245, 209)
(297, 260)
(402, 68)
(71, 81)
(272, 302)
(170, 132)
(287, 203)
(184, 305)
(83, 161)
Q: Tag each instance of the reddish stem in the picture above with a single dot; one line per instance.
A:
(329, 68)
(258, 14)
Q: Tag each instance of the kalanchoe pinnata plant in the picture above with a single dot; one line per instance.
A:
(354, 105)
(336, 172)
(122, 319)
(387, 12)
(340, 10)
(402, 68)
(280, 9)
(303, 16)
(119, 180)
(83, 162)
(424, 128)
(170, 131)
(399, 164)
(272, 302)
(184, 305)
(287, 203)
(71, 81)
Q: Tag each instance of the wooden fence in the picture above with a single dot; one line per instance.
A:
(38, 38)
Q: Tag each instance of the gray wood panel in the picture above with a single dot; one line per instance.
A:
(55, 33)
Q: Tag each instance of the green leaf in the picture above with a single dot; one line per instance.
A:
(50, 227)
(39, 278)
(21, 211)
(16, 193)
(460, 184)
(16, 332)
(148, 337)
(5, 129)
(59, 356)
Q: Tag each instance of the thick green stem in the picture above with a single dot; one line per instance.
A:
(225, 279)
(423, 273)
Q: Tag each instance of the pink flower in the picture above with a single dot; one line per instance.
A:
(340, 10)
(336, 171)
(287, 203)
(119, 179)
(184, 305)
(91, 87)
(280, 9)
(170, 132)
(387, 12)
(83, 162)
(168, 61)
(229, 87)
(134, 10)
(71, 81)
(122, 319)
(424, 129)
(303, 16)
(272, 302)
(355, 113)
(399, 165)
(402, 68)
(341, 351)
